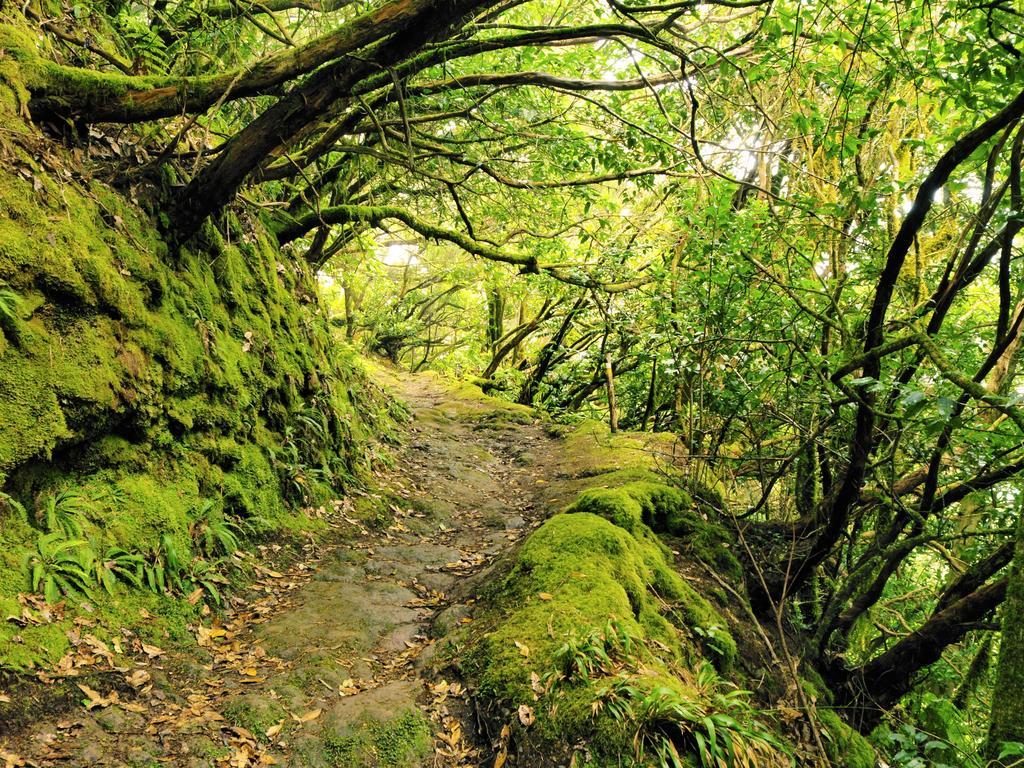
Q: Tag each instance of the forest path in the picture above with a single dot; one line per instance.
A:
(327, 662)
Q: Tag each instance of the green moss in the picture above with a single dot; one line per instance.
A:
(400, 742)
(255, 714)
(845, 747)
(613, 504)
(577, 572)
(32, 646)
(642, 507)
(1007, 720)
(154, 384)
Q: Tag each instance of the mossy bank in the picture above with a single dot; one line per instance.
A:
(159, 407)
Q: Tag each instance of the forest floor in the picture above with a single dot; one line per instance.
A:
(326, 660)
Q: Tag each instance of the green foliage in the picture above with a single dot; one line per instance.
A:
(118, 565)
(64, 512)
(909, 747)
(148, 51)
(597, 653)
(213, 533)
(9, 301)
(205, 576)
(13, 508)
(715, 722)
(58, 567)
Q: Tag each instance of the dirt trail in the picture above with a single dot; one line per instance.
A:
(327, 663)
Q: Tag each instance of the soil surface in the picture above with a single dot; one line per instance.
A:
(326, 661)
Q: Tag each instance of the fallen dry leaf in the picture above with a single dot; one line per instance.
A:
(544, 596)
(275, 729)
(152, 651)
(96, 699)
(526, 716)
(138, 678)
(535, 684)
(524, 650)
(313, 714)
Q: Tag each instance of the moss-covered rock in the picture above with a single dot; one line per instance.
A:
(645, 507)
(592, 584)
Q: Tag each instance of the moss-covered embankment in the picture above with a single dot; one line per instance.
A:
(158, 408)
(605, 641)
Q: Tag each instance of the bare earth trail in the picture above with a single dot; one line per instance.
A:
(327, 663)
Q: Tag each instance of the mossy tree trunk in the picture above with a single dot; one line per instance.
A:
(1008, 696)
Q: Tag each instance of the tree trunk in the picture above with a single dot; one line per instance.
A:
(1007, 722)
(422, 22)
(609, 377)
(350, 310)
(517, 351)
(547, 353)
(495, 318)
(651, 392)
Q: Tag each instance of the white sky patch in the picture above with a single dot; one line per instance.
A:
(399, 254)
(745, 148)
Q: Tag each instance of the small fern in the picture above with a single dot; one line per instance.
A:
(12, 505)
(117, 565)
(9, 301)
(58, 567)
(148, 51)
(161, 572)
(717, 726)
(64, 512)
(207, 576)
(213, 532)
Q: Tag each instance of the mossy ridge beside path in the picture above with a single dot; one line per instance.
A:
(329, 662)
